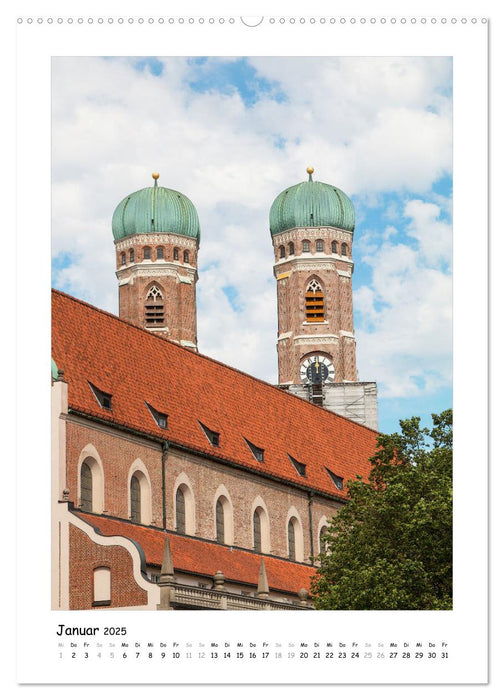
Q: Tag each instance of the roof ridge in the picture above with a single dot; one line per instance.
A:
(289, 396)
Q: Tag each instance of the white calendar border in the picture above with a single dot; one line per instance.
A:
(469, 618)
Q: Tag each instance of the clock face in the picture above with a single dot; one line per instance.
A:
(317, 369)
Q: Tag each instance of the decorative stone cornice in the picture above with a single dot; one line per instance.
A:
(316, 340)
(154, 239)
(183, 272)
(311, 234)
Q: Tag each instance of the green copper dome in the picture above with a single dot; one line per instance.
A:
(155, 210)
(310, 204)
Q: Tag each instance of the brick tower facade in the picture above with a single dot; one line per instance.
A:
(156, 233)
(312, 226)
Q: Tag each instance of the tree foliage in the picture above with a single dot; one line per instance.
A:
(390, 547)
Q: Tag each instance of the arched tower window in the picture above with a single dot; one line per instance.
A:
(123, 258)
(306, 246)
(154, 308)
(186, 256)
(147, 253)
(334, 247)
(344, 249)
(160, 253)
(136, 510)
(319, 245)
(314, 301)
(86, 488)
(180, 508)
(175, 253)
(282, 251)
(132, 255)
(291, 248)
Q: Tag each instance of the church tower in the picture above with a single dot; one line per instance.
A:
(312, 225)
(156, 234)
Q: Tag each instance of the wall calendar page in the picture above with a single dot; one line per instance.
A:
(267, 242)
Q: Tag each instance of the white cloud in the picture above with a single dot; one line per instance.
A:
(405, 337)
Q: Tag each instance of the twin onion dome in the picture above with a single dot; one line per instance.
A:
(161, 210)
(311, 203)
(155, 210)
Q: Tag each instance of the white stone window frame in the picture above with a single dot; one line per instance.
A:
(139, 470)
(265, 525)
(89, 454)
(184, 483)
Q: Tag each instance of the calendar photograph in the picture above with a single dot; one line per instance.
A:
(260, 243)
(252, 333)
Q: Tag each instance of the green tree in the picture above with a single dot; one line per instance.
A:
(390, 547)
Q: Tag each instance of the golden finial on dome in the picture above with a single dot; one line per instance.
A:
(310, 170)
(155, 176)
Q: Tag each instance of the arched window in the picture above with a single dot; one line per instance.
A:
(123, 258)
(147, 253)
(292, 539)
(136, 509)
(306, 246)
(334, 247)
(257, 531)
(154, 308)
(314, 302)
(186, 256)
(282, 251)
(175, 253)
(322, 543)
(219, 521)
(132, 255)
(86, 488)
(344, 249)
(101, 586)
(160, 253)
(291, 248)
(180, 511)
(319, 245)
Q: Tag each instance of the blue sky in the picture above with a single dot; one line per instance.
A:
(232, 133)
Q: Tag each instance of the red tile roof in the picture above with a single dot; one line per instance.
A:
(206, 558)
(138, 368)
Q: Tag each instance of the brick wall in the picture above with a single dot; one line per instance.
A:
(117, 452)
(85, 556)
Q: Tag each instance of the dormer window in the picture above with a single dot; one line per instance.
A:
(299, 466)
(337, 480)
(160, 418)
(258, 452)
(104, 399)
(212, 435)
